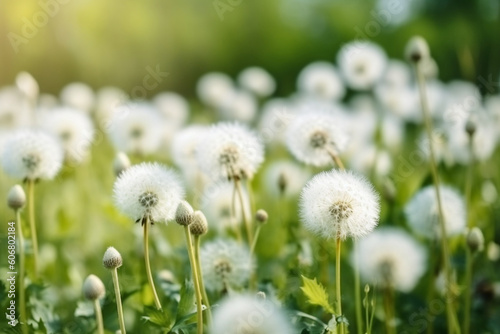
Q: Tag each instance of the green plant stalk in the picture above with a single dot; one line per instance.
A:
(22, 291)
(357, 292)
(196, 283)
(119, 307)
(98, 316)
(200, 276)
(254, 243)
(248, 225)
(148, 266)
(31, 211)
(389, 310)
(337, 283)
(233, 216)
(450, 313)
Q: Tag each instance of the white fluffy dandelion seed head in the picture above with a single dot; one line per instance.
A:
(314, 137)
(112, 258)
(28, 85)
(321, 79)
(285, 178)
(238, 105)
(107, 99)
(213, 88)
(422, 212)
(390, 257)
(226, 264)
(398, 100)
(136, 128)
(370, 158)
(184, 146)
(173, 107)
(148, 189)
(361, 64)
(32, 154)
(230, 150)
(93, 288)
(397, 74)
(246, 314)
(339, 204)
(257, 81)
(14, 109)
(78, 95)
(275, 118)
(74, 129)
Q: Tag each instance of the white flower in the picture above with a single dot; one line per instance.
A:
(173, 107)
(362, 64)
(213, 88)
(14, 109)
(74, 129)
(322, 80)
(398, 100)
(285, 178)
(184, 146)
(78, 95)
(28, 85)
(339, 204)
(230, 150)
(257, 81)
(423, 216)
(397, 74)
(148, 189)
(275, 118)
(238, 105)
(243, 314)
(108, 98)
(313, 138)
(136, 128)
(32, 155)
(225, 264)
(390, 257)
(370, 158)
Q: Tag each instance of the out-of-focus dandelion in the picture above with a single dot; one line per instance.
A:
(78, 95)
(93, 290)
(321, 79)
(257, 81)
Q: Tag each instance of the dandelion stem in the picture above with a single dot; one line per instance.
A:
(114, 273)
(200, 276)
(357, 292)
(337, 283)
(389, 310)
(196, 283)
(31, 209)
(148, 266)
(98, 316)
(22, 292)
(450, 313)
(248, 226)
(336, 159)
(233, 216)
(254, 243)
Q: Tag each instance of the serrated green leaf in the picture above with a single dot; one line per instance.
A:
(186, 304)
(316, 294)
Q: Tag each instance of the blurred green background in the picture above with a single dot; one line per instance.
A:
(112, 42)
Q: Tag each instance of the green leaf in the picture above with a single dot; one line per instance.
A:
(316, 294)
(186, 304)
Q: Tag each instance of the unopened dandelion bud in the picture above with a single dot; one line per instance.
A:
(417, 49)
(184, 214)
(261, 295)
(93, 288)
(367, 288)
(475, 239)
(261, 216)
(121, 163)
(470, 127)
(16, 199)
(199, 226)
(112, 259)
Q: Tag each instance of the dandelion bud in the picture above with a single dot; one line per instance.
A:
(93, 288)
(367, 288)
(199, 226)
(475, 239)
(112, 259)
(121, 163)
(261, 295)
(261, 216)
(470, 127)
(27, 84)
(417, 49)
(184, 214)
(16, 199)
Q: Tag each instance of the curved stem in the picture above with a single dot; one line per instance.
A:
(337, 283)
(196, 283)
(148, 266)
(98, 316)
(31, 209)
(336, 159)
(121, 320)
(200, 277)
(248, 225)
(254, 243)
(22, 292)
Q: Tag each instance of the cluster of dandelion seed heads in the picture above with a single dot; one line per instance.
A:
(148, 190)
(339, 204)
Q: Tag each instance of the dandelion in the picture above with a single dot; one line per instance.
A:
(121, 163)
(78, 95)
(107, 99)
(148, 193)
(112, 260)
(213, 88)
(362, 64)
(14, 109)
(321, 79)
(422, 212)
(93, 290)
(28, 86)
(285, 178)
(173, 107)
(226, 265)
(239, 106)
(316, 139)
(276, 116)
(248, 314)
(74, 130)
(257, 81)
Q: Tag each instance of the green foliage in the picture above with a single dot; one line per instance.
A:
(316, 294)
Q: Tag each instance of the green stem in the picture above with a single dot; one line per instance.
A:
(248, 226)
(254, 243)
(357, 292)
(98, 316)
(450, 313)
(31, 209)
(337, 283)
(148, 266)
(233, 217)
(114, 273)
(195, 280)
(200, 276)
(22, 292)
(389, 311)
